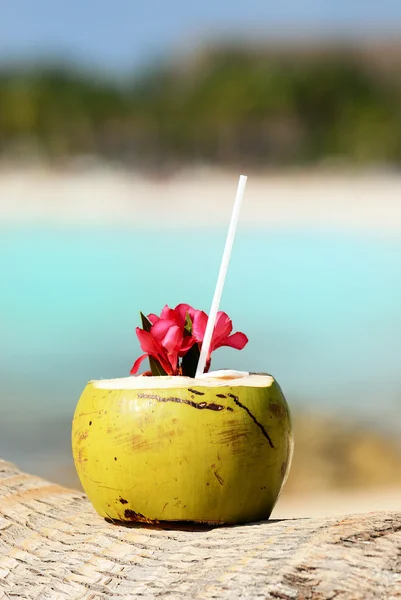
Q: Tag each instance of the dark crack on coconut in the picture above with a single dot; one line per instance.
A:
(263, 430)
(217, 475)
(197, 405)
(197, 392)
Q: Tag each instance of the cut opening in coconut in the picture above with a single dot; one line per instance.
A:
(212, 379)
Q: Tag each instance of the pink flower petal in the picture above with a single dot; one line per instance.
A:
(187, 344)
(170, 314)
(172, 343)
(137, 364)
(236, 340)
(222, 328)
(153, 318)
(199, 325)
(166, 365)
(183, 310)
(160, 329)
(148, 343)
(164, 311)
(173, 360)
(173, 339)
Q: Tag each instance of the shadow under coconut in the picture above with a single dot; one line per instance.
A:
(187, 525)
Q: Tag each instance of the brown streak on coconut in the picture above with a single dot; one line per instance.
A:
(277, 410)
(140, 443)
(197, 392)
(233, 435)
(81, 456)
(82, 436)
(131, 515)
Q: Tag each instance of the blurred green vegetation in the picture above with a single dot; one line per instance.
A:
(230, 107)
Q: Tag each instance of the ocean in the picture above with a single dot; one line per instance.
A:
(322, 310)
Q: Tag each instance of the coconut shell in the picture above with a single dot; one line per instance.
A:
(216, 450)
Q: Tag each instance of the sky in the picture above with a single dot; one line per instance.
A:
(119, 35)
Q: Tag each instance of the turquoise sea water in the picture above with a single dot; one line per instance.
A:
(322, 311)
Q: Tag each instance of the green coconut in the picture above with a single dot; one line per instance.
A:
(214, 449)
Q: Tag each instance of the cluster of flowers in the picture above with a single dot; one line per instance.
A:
(173, 341)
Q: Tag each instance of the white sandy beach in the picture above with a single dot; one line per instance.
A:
(101, 196)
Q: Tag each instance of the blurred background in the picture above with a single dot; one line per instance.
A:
(123, 130)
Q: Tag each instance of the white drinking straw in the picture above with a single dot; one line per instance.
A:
(222, 276)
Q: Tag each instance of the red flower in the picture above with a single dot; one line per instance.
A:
(172, 335)
(178, 314)
(166, 340)
(222, 335)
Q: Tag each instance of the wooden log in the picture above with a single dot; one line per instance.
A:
(54, 546)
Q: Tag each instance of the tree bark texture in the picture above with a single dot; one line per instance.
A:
(54, 546)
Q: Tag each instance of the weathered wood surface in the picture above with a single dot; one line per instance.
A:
(54, 546)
